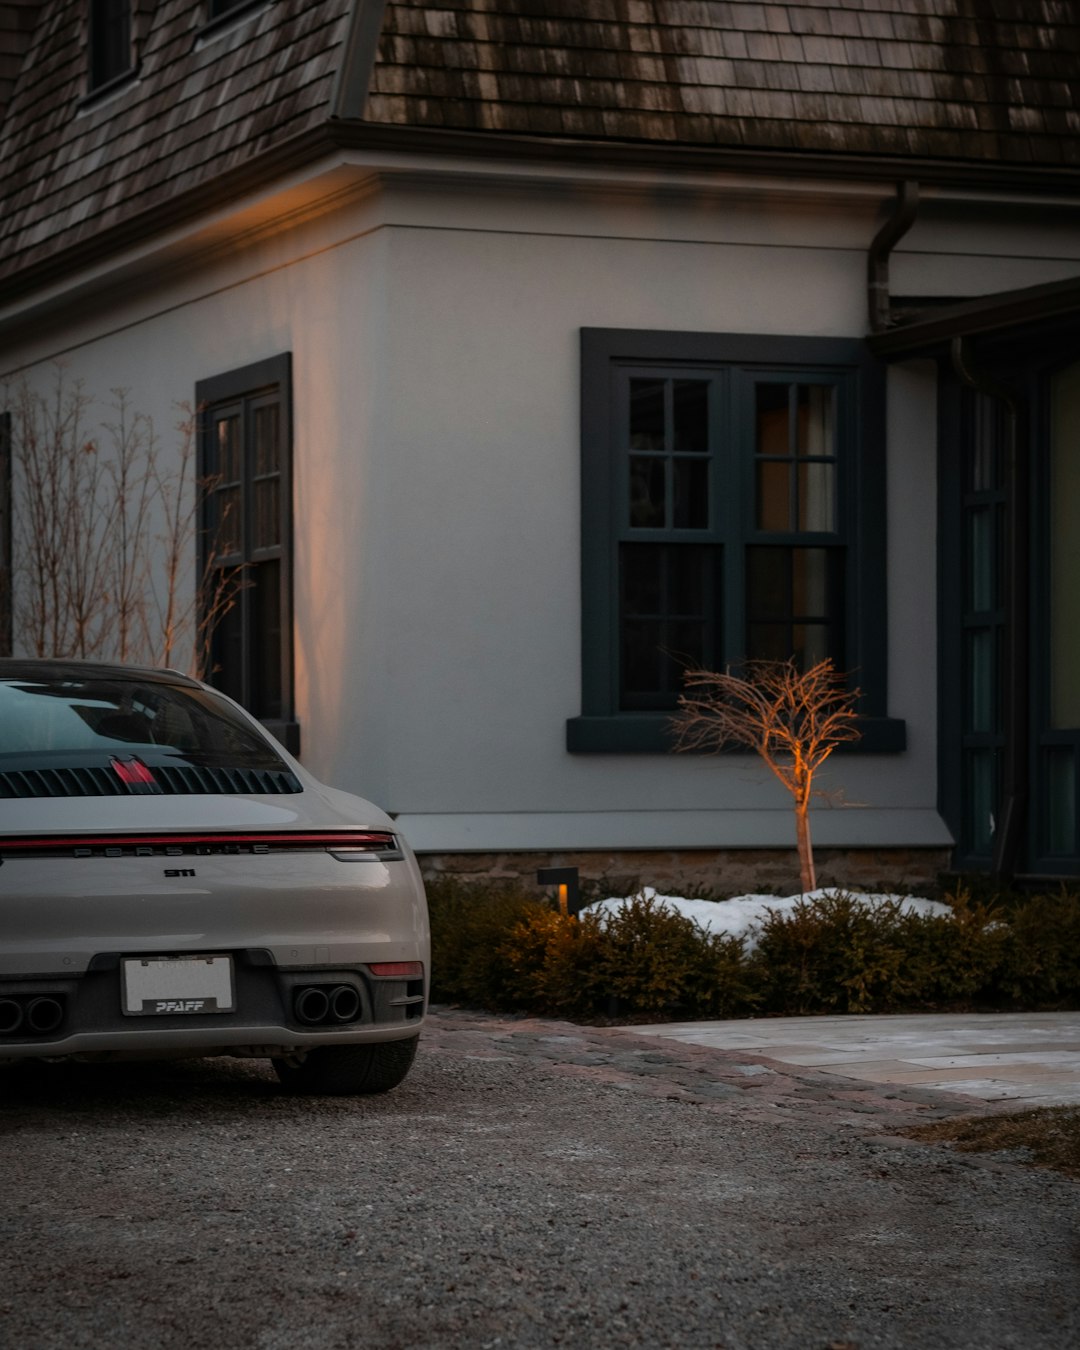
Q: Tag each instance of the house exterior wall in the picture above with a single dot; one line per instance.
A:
(435, 337)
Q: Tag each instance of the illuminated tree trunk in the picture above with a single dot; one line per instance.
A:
(807, 875)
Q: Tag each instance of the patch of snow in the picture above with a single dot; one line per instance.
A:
(742, 916)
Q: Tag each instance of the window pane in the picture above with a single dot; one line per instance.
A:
(690, 415)
(817, 493)
(685, 580)
(223, 523)
(794, 603)
(227, 465)
(1065, 549)
(982, 797)
(265, 602)
(810, 582)
(647, 415)
(773, 496)
(980, 662)
(686, 649)
(815, 434)
(227, 652)
(641, 658)
(647, 492)
(267, 529)
(768, 588)
(981, 558)
(811, 643)
(691, 505)
(641, 578)
(669, 619)
(983, 457)
(110, 40)
(264, 426)
(1061, 799)
(772, 419)
(769, 642)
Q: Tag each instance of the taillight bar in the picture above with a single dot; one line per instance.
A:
(366, 840)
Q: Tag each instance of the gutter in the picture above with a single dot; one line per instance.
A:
(345, 133)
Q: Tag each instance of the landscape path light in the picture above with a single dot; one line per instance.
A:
(566, 879)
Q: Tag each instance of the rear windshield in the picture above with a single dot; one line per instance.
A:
(114, 715)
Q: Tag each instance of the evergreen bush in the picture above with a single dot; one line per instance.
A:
(503, 948)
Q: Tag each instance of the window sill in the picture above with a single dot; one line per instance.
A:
(101, 93)
(229, 18)
(650, 734)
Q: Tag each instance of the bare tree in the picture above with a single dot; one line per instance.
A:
(793, 718)
(183, 609)
(105, 541)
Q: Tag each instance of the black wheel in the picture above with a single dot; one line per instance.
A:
(349, 1070)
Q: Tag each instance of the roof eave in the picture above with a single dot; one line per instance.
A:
(338, 134)
(974, 174)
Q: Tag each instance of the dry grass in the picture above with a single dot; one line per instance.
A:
(1049, 1136)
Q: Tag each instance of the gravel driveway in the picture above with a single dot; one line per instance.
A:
(532, 1184)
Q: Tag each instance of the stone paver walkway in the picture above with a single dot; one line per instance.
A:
(1021, 1058)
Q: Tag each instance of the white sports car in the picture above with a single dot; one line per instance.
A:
(173, 883)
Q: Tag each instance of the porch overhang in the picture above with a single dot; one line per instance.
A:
(1003, 314)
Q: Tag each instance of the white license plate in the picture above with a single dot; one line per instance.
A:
(164, 986)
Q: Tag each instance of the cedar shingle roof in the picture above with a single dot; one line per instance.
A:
(200, 108)
(964, 79)
(957, 81)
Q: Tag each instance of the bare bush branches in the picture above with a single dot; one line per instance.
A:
(792, 718)
(106, 534)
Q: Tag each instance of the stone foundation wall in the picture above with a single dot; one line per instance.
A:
(714, 871)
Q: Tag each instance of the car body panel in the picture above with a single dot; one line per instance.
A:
(87, 881)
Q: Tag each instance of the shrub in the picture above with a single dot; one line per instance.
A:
(830, 954)
(834, 954)
(502, 948)
(649, 955)
(1040, 964)
(952, 958)
(551, 963)
(469, 922)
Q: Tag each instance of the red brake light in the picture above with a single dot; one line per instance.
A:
(413, 970)
(207, 841)
(133, 772)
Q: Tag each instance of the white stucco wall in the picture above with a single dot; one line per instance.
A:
(435, 340)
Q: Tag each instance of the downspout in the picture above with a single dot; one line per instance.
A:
(1015, 702)
(877, 258)
(356, 63)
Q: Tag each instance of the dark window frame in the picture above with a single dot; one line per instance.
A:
(104, 70)
(1022, 361)
(605, 355)
(247, 388)
(219, 14)
(7, 523)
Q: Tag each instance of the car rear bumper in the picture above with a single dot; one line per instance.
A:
(274, 1007)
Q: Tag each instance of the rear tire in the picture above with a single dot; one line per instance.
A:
(349, 1070)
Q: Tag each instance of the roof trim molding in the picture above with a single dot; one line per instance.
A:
(353, 79)
(337, 134)
(991, 175)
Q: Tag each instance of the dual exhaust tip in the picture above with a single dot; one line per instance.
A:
(37, 1016)
(317, 1005)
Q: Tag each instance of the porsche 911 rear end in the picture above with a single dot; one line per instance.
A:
(172, 884)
